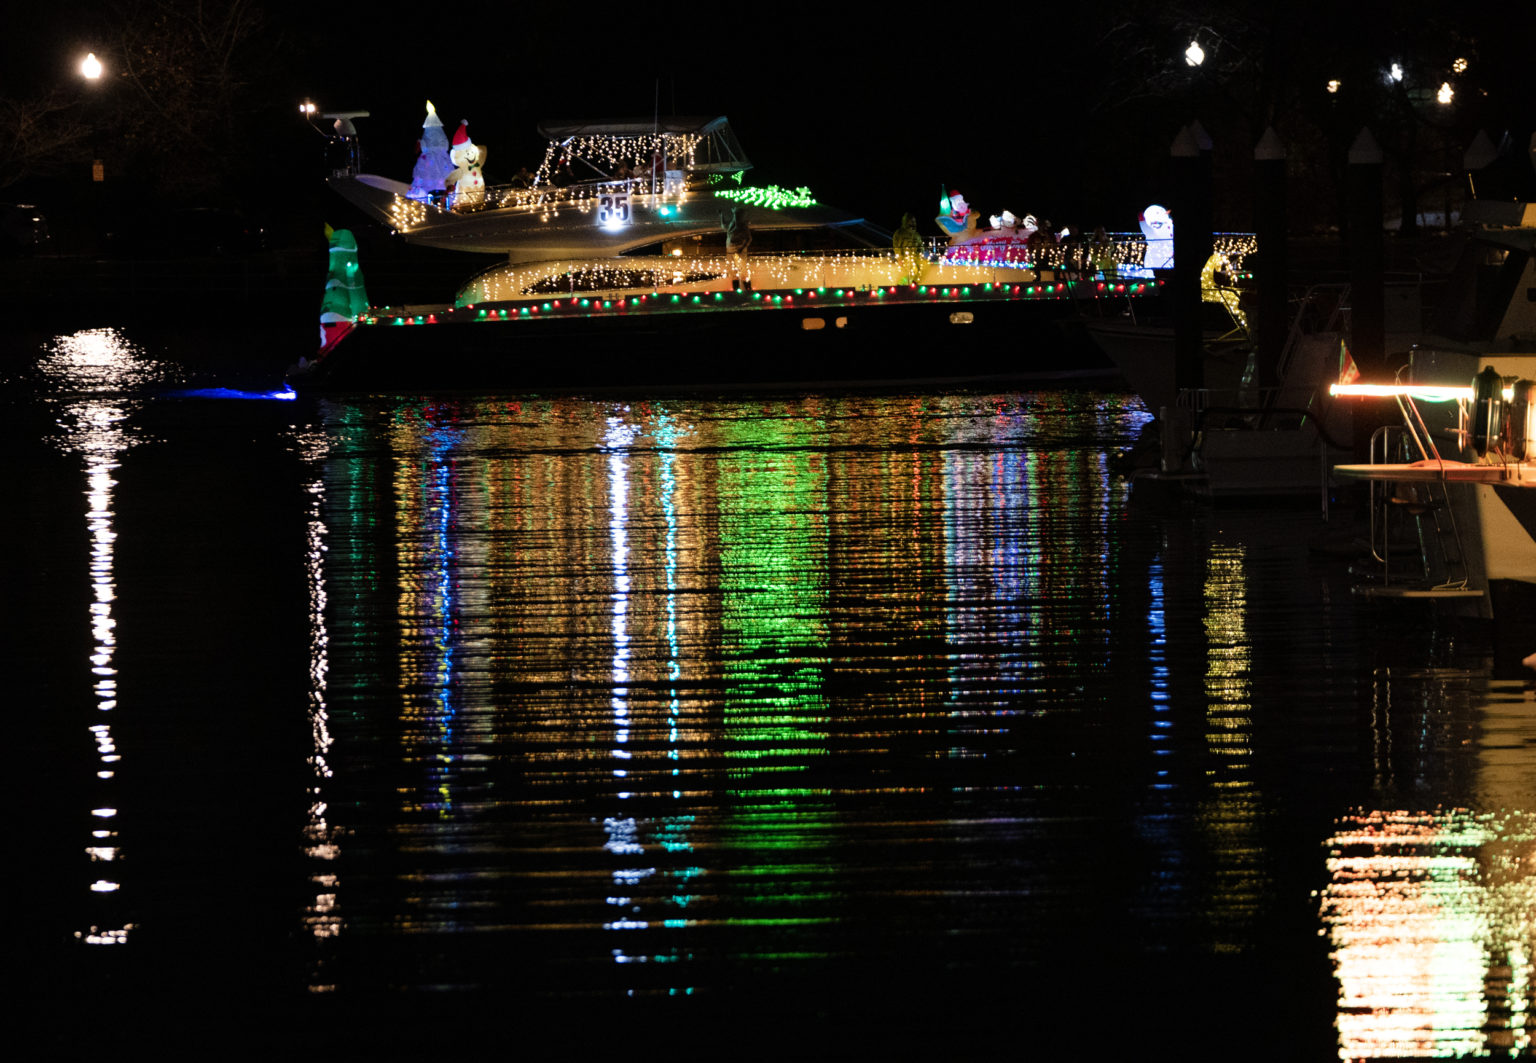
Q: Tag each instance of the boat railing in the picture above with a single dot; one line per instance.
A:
(582, 195)
(1440, 555)
(857, 269)
(1248, 407)
(1108, 256)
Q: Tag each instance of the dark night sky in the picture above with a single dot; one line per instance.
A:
(875, 112)
(874, 116)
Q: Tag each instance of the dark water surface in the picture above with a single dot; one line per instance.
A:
(711, 727)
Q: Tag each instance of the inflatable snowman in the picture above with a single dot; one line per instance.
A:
(1157, 227)
(466, 180)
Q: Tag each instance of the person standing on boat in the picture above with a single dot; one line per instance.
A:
(738, 237)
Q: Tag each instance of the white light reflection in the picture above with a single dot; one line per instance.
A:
(993, 608)
(95, 374)
(322, 915)
(619, 437)
(623, 833)
(637, 881)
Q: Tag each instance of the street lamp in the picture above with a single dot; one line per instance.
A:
(91, 70)
(1194, 55)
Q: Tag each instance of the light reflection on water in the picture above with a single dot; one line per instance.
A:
(96, 378)
(1431, 910)
(700, 631)
(693, 698)
(666, 622)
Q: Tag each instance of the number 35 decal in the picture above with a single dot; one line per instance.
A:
(613, 208)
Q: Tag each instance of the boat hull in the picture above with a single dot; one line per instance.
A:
(756, 341)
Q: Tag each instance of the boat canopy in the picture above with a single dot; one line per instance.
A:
(712, 146)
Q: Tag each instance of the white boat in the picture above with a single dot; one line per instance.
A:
(1461, 470)
(619, 242)
(1234, 437)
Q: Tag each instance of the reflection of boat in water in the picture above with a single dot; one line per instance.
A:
(1461, 470)
(621, 276)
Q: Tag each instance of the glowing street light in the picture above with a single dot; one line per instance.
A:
(307, 108)
(1395, 72)
(1333, 85)
(90, 67)
(1446, 93)
(1194, 55)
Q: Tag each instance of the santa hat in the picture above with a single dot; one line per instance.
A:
(461, 135)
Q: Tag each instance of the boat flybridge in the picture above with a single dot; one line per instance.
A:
(603, 189)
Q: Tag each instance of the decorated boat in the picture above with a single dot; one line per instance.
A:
(637, 255)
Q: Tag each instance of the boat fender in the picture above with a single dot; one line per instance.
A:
(1487, 411)
(1522, 422)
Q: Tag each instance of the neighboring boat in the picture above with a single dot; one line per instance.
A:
(620, 272)
(1462, 468)
(1234, 437)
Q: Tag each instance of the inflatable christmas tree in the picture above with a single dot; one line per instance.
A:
(432, 163)
(345, 297)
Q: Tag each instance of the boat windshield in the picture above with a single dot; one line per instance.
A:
(587, 161)
(692, 145)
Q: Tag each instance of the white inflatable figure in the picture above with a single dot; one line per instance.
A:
(1157, 227)
(1005, 223)
(466, 180)
(432, 162)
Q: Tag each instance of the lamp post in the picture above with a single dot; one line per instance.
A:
(91, 70)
